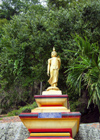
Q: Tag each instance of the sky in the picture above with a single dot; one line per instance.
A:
(43, 2)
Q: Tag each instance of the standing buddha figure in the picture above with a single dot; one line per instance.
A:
(53, 68)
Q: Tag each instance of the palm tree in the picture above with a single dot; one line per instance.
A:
(84, 71)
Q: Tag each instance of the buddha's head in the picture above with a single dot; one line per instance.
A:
(54, 53)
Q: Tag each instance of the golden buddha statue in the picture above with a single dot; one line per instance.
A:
(53, 68)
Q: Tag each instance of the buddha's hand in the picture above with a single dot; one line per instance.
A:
(48, 73)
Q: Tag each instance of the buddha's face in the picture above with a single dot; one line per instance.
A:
(53, 54)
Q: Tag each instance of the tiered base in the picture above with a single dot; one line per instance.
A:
(52, 119)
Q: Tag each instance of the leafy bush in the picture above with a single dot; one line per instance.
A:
(26, 108)
(84, 71)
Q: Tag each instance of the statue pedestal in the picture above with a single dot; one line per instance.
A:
(53, 88)
(52, 119)
(52, 92)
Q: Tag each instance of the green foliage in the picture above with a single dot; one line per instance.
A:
(59, 3)
(74, 105)
(26, 108)
(91, 13)
(14, 96)
(27, 41)
(26, 45)
(9, 8)
(66, 3)
(2, 23)
(84, 71)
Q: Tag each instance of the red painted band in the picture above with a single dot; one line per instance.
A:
(50, 137)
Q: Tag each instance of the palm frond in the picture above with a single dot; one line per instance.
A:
(84, 72)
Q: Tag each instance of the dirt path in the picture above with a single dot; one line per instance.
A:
(10, 119)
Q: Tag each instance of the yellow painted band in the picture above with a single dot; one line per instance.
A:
(50, 134)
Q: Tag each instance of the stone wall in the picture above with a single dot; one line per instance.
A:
(13, 131)
(90, 131)
(17, 131)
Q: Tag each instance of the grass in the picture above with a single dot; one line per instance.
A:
(26, 108)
